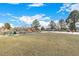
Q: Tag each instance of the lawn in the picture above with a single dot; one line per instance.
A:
(40, 44)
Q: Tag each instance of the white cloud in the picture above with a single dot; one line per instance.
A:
(65, 7)
(26, 19)
(74, 7)
(38, 16)
(68, 7)
(29, 19)
(41, 17)
(44, 23)
(36, 5)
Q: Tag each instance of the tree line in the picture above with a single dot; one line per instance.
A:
(61, 26)
(69, 23)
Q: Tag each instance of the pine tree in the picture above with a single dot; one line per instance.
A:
(35, 24)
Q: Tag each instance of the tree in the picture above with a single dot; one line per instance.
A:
(7, 26)
(42, 28)
(35, 24)
(72, 26)
(62, 24)
(73, 16)
(72, 19)
(52, 24)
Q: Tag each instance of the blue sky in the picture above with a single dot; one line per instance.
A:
(22, 14)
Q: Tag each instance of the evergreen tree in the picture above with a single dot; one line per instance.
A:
(35, 24)
(72, 19)
(52, 24)
(7, 26)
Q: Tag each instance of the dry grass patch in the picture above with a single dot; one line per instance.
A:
(40, 44)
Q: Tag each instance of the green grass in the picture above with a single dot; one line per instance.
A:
(40, 44)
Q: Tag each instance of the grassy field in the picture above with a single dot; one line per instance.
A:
(40, 44)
